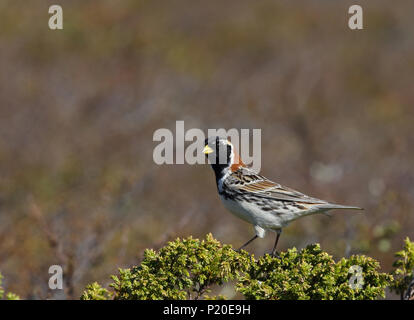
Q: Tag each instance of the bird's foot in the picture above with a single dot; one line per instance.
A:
(275, 254)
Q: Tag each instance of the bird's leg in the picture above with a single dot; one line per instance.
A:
(274, 253)
(247, 243)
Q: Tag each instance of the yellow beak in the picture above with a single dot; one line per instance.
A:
(207, 150)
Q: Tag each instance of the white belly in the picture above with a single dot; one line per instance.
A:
(254, 215)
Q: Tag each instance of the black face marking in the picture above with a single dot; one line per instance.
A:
(221, 150)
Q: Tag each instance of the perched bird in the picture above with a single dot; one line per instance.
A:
(265, 204)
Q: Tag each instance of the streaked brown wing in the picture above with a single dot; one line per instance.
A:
(263, 187)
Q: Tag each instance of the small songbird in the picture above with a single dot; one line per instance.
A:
(265, 204)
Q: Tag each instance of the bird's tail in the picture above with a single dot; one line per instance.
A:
(329, 206)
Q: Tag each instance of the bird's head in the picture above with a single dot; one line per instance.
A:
(222, 155)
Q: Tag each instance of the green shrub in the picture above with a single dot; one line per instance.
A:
(311, 274)
(404, 272)
(188, 268)
(184, 269)
(94, 291)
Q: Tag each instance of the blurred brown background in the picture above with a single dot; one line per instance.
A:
(78, 108)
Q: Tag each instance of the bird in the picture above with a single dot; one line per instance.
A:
(265, 204)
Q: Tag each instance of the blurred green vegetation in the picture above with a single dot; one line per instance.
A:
(78, 108)
(8, 295)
